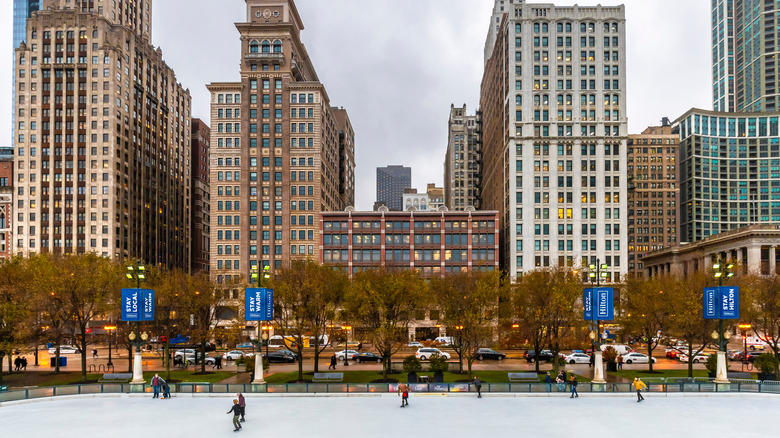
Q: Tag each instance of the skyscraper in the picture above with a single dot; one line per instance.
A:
(102, 137)
(745, 50)
(462, 162)
(390, 184)
(23, 9)
(201, 197)
(280, 153)
(554, 135)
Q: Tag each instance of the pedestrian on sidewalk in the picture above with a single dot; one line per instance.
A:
(548, 381)
(574, 386)
(639, 385)
(592, 360)
(620, 362)
(218, 361)
(236, 410)
(478, 385)
(403, 390)
(24, 363)
(17, 364)
(156, 385)
(242, 403)
(94, 353)
(333, 362)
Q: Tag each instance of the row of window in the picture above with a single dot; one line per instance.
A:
(565, 26)
(587, 213)
(398, 255)
(587, 245)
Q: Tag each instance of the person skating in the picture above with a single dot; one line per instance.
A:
(236, 410)
(242, 403)
(165, 389)
(403, 389)
(478, 385)
(156, 385)
(561, 381)
(639, 385)
(574, 387)
(333, 362)
(548, 381)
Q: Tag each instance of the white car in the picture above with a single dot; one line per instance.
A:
(636, 358)
(65, 349)
(349, 353)
(577, 358)
(699, 358)
(233, 355)
(415, 344)
(426, 353)
(190, 359)
(178, 354)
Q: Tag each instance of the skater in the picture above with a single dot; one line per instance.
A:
(242, 403)
(574, 387)
(94, 353)
(333, 362)
(560, 380)
(166, 389)
(478, 385)
(639, 385)
(620, 362)
(403, 389)
(156, 385)
(236, 410)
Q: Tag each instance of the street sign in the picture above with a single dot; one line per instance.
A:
(721, 302)
(259, 304)
(598, 304)
(137, 305)
(587, 303)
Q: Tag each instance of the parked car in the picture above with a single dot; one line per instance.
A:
(426, 353)
(445, 340)
(749, 357)
(755, 343)
(415, 344)
(544, 355)
(179, 354)
(280, 356)
(699, 358)
(487, 353)
(367, 357)
(233, 355)
(190, 359)
(65, 349)
(577, 358)
(673, 353)
(636, 358)
(620, 348)
(349, 353)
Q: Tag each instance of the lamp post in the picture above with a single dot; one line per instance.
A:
(137, 272)
(111, 329)
(722, 270)
(346, 329)
(744, 328)
(595, 273)
(255, 277)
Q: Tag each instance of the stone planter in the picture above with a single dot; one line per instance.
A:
(411, 378)
(611, 367)
(767, 376)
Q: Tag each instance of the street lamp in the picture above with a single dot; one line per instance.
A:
(255, 277)
(111, 329)
(721, 270)
(595, 273)
(346, 329)
(744, 328)
(137, 272)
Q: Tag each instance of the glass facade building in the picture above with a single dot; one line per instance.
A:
(22, 11)
(730, 171)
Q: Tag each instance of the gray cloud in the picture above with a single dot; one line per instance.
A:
(397, 65)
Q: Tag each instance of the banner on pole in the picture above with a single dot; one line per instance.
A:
(587, 303)
(721, 302)
(137, 305)
(259, 304)
(603, 304)
(711, 303)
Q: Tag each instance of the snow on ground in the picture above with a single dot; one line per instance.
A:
(379, 417)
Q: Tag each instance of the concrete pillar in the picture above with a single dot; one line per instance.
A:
(754, 259)
(772, 260)
(259, 380)
(707, 262)
(138, 369)
(722, 373)
(598, 368)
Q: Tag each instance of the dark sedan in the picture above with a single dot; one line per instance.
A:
(544, 355)
(280, 356)
(487, 353)
(367, 357)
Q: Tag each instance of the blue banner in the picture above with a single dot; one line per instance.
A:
(729, 302)
(711, 303)
(259, 304)
(587, 303)
(603, 304)
(137, 305)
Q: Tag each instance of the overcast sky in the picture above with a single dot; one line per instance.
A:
(397, 65)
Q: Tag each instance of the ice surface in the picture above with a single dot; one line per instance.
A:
(378, 417)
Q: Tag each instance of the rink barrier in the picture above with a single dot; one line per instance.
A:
(654, 385)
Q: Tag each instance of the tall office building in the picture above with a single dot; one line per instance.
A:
(201, 197)
(653, 193)
(554, 135)
(390, 184)
(23, 9)
(745, 49)
(102, 137)
(462, 162)
(280, 154)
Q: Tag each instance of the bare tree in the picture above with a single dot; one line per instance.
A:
(648, 310)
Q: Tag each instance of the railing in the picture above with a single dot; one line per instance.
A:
(654, 385)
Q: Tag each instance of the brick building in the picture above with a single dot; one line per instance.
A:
(6, 201)
(201, 197)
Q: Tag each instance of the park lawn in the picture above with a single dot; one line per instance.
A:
(191, 376)
(630, 374)
(486, 376)
(46, 378)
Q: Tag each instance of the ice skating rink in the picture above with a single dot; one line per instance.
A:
(379, 417)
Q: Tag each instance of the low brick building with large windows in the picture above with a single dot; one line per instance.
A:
(433, 243)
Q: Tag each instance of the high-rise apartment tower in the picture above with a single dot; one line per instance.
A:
(462, 162)
(390, 184)
(554, 135)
